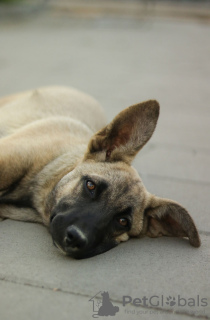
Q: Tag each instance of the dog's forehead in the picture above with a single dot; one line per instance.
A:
(117, 175)
(116, 172)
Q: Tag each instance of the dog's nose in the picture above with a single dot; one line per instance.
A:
(75, 238)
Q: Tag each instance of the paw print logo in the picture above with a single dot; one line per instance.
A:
(170, 301)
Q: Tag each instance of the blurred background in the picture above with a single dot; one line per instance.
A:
(92, 8)
(119, 51)
(126, 50)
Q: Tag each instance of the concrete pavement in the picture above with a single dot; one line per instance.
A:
(120, 62)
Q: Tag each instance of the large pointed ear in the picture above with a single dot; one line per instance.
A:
(126, 134)
(164, 217)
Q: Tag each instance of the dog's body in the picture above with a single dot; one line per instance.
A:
(56, 170)
(46, 129)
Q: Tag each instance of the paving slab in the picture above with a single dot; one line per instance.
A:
(141, 267)
(22, 301)
(175, 163)
(186, 129)
(142, 61)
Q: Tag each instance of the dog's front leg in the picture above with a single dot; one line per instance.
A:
(14, 164)
(21, 157)
(14, 188)
(20, 214)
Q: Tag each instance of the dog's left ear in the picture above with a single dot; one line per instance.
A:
(164, 217)
(126, 134)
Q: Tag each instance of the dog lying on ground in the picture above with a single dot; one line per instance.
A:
(61, 165)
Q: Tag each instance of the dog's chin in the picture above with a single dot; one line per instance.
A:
(86, 253)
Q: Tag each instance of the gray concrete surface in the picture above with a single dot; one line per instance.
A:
(120, 62)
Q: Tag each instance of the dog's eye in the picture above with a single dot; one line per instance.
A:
(90, 185)
(91, 189)
(123, 222)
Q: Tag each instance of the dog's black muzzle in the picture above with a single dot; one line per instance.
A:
(80, 235)
(75, 238)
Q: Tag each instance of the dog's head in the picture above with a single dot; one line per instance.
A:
(103, 200)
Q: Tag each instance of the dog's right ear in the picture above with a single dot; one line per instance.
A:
(164, 217)
(126, 134)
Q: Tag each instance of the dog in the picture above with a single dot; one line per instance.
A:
(61, 165)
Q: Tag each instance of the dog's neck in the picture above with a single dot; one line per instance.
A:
(50, 175)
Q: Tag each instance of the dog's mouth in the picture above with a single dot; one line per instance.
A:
(77, 253)
(59, 247)
(79, 238)
(78, 245)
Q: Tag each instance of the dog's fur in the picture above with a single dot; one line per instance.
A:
(54, 169)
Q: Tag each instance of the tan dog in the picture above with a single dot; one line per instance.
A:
(56, 170)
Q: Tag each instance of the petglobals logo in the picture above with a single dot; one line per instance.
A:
(162, 301)
(102, 306)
